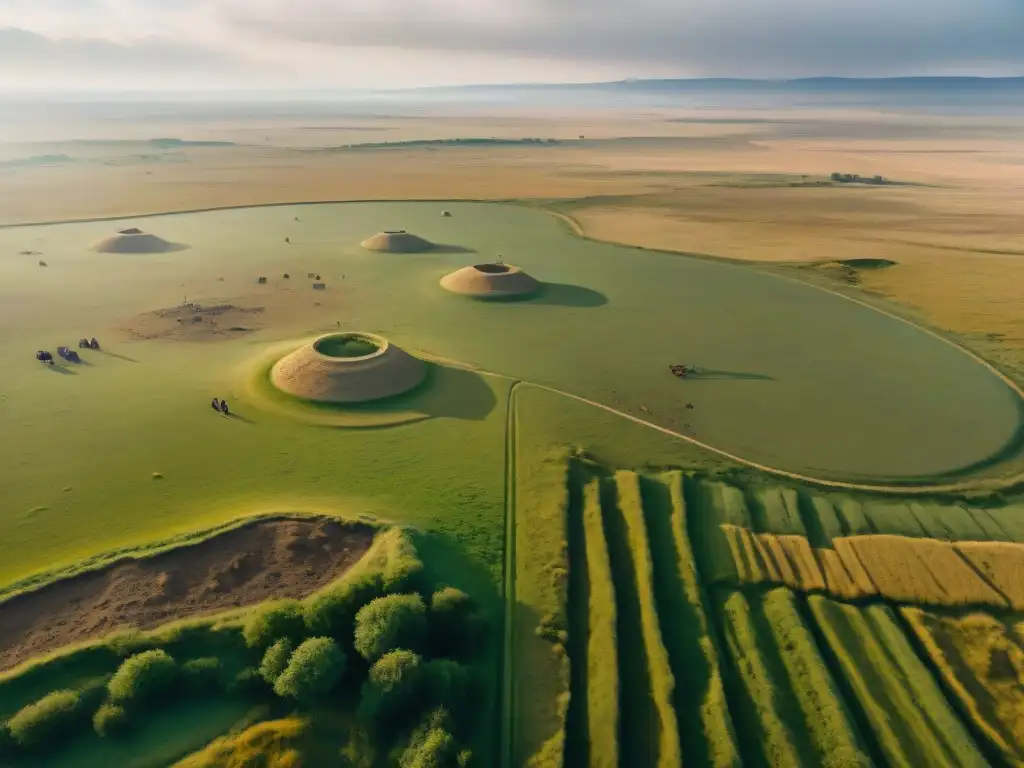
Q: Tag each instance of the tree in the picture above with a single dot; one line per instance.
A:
(456, 625)
(269, 624)
(275, 660)
(392, 691)
(314, 669)
(389, 623)
(50, 717)
(333, 613)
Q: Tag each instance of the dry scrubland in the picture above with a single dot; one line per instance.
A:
(714, 667)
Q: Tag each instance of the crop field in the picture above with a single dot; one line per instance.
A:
(982, 664)
(743, 641)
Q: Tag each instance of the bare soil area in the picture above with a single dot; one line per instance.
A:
(244, 566)
(196, 321)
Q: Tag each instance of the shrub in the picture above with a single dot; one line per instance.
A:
(275, 660)
(392, 691)
(142, 676)
(405, 574)
(49, 718)
(450, 686)
(333, 613)
(203, 674)
(435, 748)
(283, 619)
(314, 668)
(389, 623)
(456, 626)
(110, 720)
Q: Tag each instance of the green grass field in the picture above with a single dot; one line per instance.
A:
(123, 449)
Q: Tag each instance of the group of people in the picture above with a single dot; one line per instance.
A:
(220, 405)
(88, 343)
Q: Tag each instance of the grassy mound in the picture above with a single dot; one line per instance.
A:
(397, 241)
(134, 240)
(330, 370)
(490, 281)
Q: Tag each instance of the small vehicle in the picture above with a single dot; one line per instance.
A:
(44, 357)
(69, 354)
(683, 371)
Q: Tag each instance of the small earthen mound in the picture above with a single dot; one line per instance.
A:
(490, 281)
(267, 559)
(397, 241)
(347, 368)
(134, 240)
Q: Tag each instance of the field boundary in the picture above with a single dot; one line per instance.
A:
(507, 681)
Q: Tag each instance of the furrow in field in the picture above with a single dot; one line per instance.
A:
(638, 718)
(830, 729)
(705, 726)
(602, 673)
(758, 690)
(1001, 564)
(663, 729)
(912, 722)
(712, 547)
(585, 492)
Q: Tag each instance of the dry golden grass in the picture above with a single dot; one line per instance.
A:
(839, 581)
(801, 556)
(983, 665)
(922, 571)
(749, 563)
(1002, 564)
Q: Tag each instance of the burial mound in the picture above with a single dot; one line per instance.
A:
(397, 241)
(347, 368)
(490, 281)
(134, 240)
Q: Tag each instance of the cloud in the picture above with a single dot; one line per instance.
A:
(385, 43)
(708, 37)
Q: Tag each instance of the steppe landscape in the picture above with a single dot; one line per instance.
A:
(459, 504)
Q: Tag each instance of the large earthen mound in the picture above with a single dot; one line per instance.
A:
(134, 240)
(244, 566)
(347, 368)
(397, 241)
(490, 281)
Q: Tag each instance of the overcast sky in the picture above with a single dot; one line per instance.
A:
(405, 43)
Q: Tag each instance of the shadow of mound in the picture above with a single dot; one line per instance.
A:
(567, 295)
(867, 263)
(445, 248)
(711, 373)
(445, 392)
(108, 353)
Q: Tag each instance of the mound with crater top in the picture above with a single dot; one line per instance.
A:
(244, 566)
(347, 368)
(397, 241)
(193, 321)
(490, 281)
(134, 240)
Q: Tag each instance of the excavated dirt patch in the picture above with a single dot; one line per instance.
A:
(244, 566)
(196, 322)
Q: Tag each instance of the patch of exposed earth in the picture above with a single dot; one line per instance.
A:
(195, 321)
(243, 566)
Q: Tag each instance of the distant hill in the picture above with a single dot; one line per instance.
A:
(799, 85)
